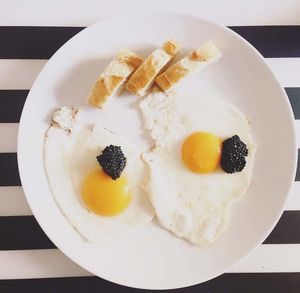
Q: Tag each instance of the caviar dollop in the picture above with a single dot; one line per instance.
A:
(234, 152)
(112, 161)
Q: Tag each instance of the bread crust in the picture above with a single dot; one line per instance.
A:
(196, 60)
(144, 76)
(113, 77)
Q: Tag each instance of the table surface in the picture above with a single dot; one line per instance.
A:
(30, 32)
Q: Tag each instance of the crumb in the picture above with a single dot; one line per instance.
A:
(64, 117)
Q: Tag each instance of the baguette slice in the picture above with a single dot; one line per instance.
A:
(144, 76)
(194, 62)
(113, 77)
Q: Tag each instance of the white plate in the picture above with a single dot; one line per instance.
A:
(153, 258)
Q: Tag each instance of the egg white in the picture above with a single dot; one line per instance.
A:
(69, 158)
(192, 206)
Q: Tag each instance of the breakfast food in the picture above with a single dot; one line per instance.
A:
(113, 78)
(201, 151)
(64, 117)
(144, 76)
(193, 62)
(112, 161)
(200, 164)
(234, 153)
(98, 206)
(189, 191)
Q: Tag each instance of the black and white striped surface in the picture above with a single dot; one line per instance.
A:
(29, 262)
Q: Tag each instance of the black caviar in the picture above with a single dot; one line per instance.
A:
(112, 161)
(234, 144)
(233, 157)
(233, 162)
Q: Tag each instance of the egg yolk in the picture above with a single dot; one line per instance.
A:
(201, 152)
(105, 196)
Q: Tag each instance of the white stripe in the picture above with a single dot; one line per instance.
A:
(13, 202)
(271, 258)
(49, 263)
(75, 12)
(286, 70)
(19, 74)
(293, 202)
(9, 133)
(46, 263)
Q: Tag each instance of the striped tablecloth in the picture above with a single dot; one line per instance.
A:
(30, 33)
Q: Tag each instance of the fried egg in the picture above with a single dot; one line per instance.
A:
(190, 193)
(98, 207)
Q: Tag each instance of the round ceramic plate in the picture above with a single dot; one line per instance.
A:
(152, 258)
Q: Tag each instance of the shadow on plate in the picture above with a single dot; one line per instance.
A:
(76, 86)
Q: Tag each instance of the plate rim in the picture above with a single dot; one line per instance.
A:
(22, 168)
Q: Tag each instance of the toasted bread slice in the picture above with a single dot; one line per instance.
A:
(113, 77)
(144, 76)
(194, 62)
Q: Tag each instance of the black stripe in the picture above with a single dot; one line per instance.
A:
(12, 102)
(287, 230)
(272, 41)
(42, 42)
(294, 97)
(23, 232)
(226, 283)
(21, 42)
(9, 170)
(11, 105)
(10, 174)
(249, 283)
